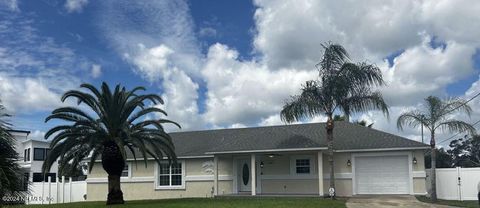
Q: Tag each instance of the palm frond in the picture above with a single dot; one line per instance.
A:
(413, 119)
(363, 102)
(456, 126)
(307, 105)
(113, 123)
(456, 105)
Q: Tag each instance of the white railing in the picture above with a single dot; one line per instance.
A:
(64, 191)
(456, 183)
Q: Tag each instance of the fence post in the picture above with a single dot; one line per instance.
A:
(57, 186)
(43, 190)
(459, 184)
(63, 189)
(49, 189)
(70, 188)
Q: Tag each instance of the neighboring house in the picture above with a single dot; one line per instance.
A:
(32, 154)
(275, 160)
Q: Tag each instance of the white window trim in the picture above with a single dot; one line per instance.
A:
(293, 165)
(157, 177)
(129, 165)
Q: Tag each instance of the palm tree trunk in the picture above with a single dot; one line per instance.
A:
(115, 194)
(2, 194)
(329, 129)
(113, 163)
(433, 177)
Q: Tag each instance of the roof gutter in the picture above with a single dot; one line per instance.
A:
(151, 158)
(384, 149)
(267, 150)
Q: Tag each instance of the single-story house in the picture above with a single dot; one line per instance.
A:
(275, 160)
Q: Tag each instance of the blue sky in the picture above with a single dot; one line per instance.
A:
(223, 64)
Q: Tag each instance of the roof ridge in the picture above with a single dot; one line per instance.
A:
(253, 127)
(384, 132)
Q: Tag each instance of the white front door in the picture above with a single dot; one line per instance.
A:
(382, 175)
(244, 175)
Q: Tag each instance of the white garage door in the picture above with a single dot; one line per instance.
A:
(382, 175)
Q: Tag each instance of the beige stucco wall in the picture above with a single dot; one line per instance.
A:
(97, 191)
(420, 156)
(276, 179)
(343, 187)
(298, 186)
(419, 183)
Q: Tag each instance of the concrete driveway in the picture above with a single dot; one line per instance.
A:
(388, 201)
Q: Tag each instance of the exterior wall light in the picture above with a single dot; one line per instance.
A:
(261, 167)
(414, 160)
(349, 163)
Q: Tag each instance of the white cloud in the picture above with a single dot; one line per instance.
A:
(180, 94)
(164, 50)
(151, 63)
(452, 20)
(96, 70)
(289, 33)
(11, 5)
(207, 32)
(422, 70)
(23, 95)
(35, 69)
(37, 135)
(75, 5)
(245, 91)
(166, 23)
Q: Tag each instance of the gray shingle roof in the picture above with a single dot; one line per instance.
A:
(347, 136)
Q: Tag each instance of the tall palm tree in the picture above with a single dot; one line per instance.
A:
(112, 123)
(343, 86)
(437, 115)
(10, 172)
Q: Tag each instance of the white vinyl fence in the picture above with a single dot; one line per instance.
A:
(456, 183)
(63, 191)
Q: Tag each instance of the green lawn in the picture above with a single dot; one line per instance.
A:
(450, 202)
(231, 202)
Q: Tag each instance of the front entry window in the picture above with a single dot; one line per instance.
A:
(302, 166)
(171, 175)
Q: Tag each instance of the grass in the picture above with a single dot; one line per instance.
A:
(450, 202)
(230, 202)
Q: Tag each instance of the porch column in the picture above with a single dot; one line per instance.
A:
(215, 175)
(253, 175)
(320, 173)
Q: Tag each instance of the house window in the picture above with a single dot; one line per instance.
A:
(38, 154)
(26, 155)
(171, 176)
(39, 177)
(125, 171)
(53, 177)
(302, 166)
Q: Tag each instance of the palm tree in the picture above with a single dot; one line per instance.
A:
(437, 115)
(343, 86)
(10, 172)
(364, 123)
(112, 123)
